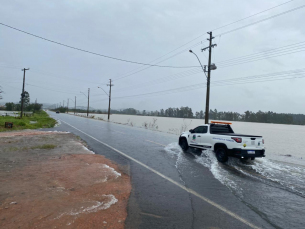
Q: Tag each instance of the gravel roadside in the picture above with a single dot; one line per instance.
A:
(51, 180)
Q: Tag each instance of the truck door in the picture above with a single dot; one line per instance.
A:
(197, 137)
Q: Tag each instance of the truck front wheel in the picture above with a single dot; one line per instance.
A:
(221, 155)
(183, 144)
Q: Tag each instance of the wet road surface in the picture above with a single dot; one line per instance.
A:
(171, 189)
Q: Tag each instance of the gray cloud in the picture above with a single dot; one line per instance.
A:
(142, 31)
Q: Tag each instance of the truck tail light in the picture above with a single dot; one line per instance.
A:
(238, 140)
(263, 141)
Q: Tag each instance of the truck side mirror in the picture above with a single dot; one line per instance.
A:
(191, 131)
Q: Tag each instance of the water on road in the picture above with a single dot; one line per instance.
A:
(274, 190)
(272, 187)
(283, 142)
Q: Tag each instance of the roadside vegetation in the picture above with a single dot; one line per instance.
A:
(39, 119)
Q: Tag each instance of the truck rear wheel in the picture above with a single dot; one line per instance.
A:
(183, 144)
(245, 159)
(221, 155)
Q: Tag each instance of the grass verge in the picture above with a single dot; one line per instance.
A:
(41, 119)
(45, 146)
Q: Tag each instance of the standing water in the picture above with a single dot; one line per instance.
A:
(273, 187)
(283, 143)
(274, 190)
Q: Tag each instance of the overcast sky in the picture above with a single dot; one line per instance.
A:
(143, 31)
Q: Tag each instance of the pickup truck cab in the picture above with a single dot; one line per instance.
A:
(220, 137)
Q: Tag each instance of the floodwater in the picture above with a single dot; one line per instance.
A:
(273, 187)
(285, 143)
(274, 190)
(9, 113)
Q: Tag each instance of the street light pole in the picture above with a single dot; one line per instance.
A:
(104, 91)
(207, 109)
(210, 67)
(22, 94)
(199, 61)
(74, 103)
(88, 100)
(109, 95)
(109, 98)
(68, 107)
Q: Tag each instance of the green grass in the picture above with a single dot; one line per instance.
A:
(42, 118)
(45, 146)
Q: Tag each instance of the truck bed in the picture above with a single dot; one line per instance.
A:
(239, 135)
(227, 130)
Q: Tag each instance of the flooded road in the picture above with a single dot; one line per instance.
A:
(173, 189)
(274, 190)
(283, 142)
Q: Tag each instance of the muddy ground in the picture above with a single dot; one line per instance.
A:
(50, 180)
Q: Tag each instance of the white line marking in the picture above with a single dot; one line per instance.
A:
(173, 182)
(155, 143)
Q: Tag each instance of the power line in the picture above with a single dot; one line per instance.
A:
(51, 89)
(210, 30)
(231, 23)
(276, 52)
(10, 86)
(299, 45)
(133, 73)
(153, 65)
(195, 87)
(163, 79)
(94, 53)
(277, 15)
(258, 59)
(150, 65)
(232, 81)
(265, 19)
(51, 74)
(238, 60)
(218, 35)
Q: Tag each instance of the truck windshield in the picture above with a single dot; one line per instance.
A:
(216, 129)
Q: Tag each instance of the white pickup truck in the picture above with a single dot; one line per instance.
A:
(220, 137)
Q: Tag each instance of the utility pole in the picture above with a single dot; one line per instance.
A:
(110, 85)
(75, 105)
(88, 101)
(22, 94)
(68, 106)
(210, 67)
(63, 103)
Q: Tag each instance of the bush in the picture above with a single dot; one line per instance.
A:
(21, 124)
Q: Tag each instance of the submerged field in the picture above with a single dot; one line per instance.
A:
(39, 120)
(283, 142)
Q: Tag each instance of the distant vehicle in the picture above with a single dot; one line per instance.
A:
(57, 112)
(220, 137)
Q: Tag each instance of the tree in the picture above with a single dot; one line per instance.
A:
(197, 114)
(162, 112)
(9, 106)
(34, 107)
(26, 99)
(201, 115)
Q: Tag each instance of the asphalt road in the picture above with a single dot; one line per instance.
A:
(165, 192)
